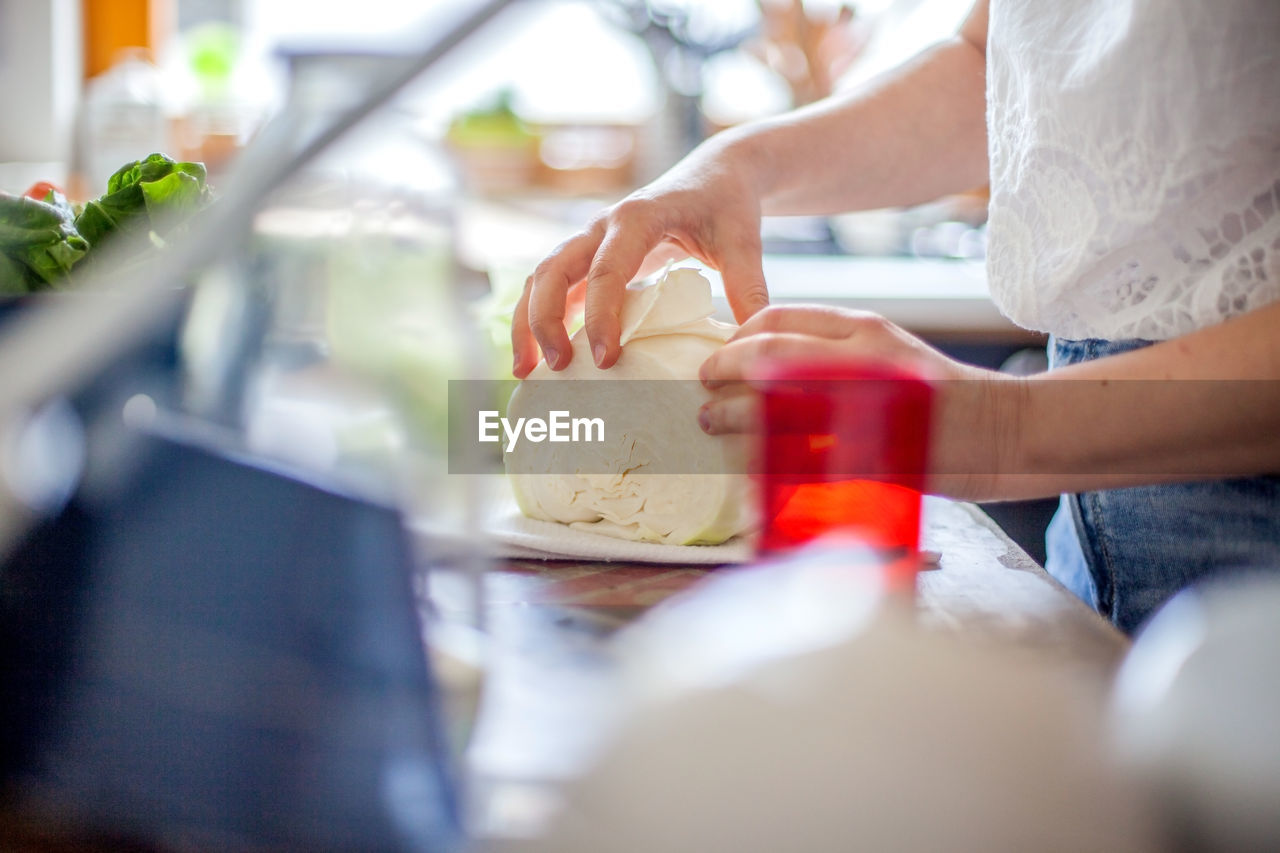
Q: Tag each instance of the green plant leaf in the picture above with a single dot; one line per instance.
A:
(173, 195)
(39, 241)
(150, 193)
(42, 241)
(15, 278)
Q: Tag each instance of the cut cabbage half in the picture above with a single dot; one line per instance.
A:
(656, 477)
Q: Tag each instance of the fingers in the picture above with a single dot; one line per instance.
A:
(823, 321)
(735, 361)
(544, 303)
(608, 256)
(524, 349)
(744, 283)
(628, 240)
(737, 411)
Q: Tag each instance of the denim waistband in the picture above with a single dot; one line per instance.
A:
(1063, 352)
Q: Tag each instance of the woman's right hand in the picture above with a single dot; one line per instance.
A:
(917, 134)
(706, 207)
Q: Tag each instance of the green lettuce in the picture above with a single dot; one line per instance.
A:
(42, 241)
(39, 243)
(144, 195)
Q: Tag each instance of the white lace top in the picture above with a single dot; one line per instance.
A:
(1135, 163)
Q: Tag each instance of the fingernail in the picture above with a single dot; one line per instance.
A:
(552, 357)
(598, 352)
(704, 420)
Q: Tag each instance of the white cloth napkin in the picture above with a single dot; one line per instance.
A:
(515, 535)
(506, 532)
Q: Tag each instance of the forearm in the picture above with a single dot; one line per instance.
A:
(913, 135)
(1206, 405)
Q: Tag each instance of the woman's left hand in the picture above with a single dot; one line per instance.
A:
(973, 418)
(810, 333)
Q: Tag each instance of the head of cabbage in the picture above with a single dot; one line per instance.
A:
(655, 476)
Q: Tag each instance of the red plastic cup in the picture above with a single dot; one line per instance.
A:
(843, 454)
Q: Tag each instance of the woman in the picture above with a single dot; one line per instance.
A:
(1133, 153)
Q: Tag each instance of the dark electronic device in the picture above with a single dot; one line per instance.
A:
(198, 651)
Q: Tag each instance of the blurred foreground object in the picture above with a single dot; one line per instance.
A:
(1197, 714)
(211, 638)
(201, 653)
(843, 452)
(789, 708)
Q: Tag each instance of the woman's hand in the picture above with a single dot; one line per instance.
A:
(706, 207)
(916, 134)
(975, 413)
(1206, 405)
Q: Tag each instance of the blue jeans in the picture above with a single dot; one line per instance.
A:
(1134, 548)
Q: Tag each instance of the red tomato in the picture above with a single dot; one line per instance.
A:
(40, 190)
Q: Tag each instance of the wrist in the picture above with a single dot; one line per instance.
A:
(977, 448)
(1012, 429)
(742, 152)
